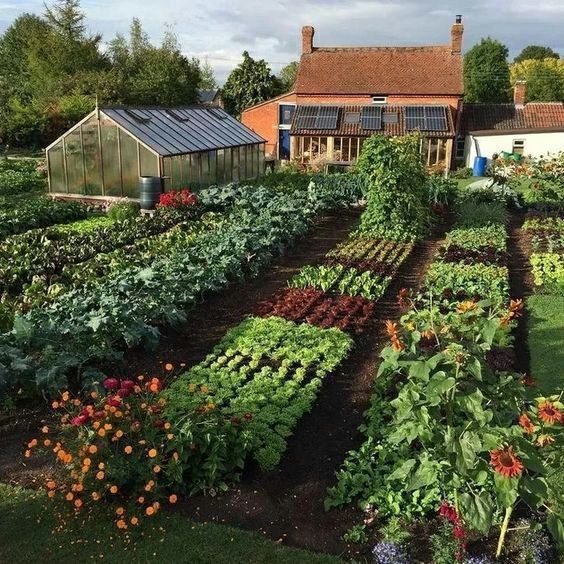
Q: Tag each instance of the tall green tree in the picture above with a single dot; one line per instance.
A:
(208, 81)
(537, 52)
(486, 72)
(249, 83)
(545, 79)
(287, 76)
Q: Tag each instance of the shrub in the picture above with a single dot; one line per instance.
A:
(122, 211)
(118, 447)
(396, 186)
(20, 175)
(461, 172)
(487, 193)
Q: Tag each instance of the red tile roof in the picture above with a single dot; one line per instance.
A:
(534, 116)
(355, 130)
(381, 70)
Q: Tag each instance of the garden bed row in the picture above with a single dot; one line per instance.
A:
(449, 428)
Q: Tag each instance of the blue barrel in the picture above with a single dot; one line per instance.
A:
(480, 165)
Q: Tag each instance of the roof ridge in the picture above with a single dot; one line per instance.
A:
(381, 47)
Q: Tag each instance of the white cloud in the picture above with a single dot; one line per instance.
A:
(223, 29)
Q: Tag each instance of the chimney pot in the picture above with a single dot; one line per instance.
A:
(307, 39)
(520, 93)
(456, 33)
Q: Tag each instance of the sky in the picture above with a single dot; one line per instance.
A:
(220, 30)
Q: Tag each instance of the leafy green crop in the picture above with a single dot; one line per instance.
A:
(270, 369)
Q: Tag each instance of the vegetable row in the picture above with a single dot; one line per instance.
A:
(450, 424)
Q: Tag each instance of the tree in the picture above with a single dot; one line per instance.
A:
(159, 76)
(545, 79)
(207, 81)
(66, 18)
(486, 72)
(287, 76)
(249, 83)
(537, 52)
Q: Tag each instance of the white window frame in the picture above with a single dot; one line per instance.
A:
(460, 148)
(518, 144)
(281, 126)
(379, 100)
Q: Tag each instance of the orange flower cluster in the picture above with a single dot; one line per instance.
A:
(392, 330)
(514, 311)
(104, 440)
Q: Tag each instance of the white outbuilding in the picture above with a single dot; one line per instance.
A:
(529, 129)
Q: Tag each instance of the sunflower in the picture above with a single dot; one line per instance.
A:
(527, 424)
(549, 413)
(468, 305)
(505, 461)
(544, 440)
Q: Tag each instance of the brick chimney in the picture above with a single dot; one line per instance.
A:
(307, 39)
(520, 93)
(456, 34)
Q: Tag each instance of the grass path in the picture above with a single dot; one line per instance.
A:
(28, 533)
(546, 341)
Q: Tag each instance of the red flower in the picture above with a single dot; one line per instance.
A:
(458, 532)
(114, 401)
(98, 415)
(128, 385)
(80, 420)
(449, 512)
(111, 383)
(248, 416)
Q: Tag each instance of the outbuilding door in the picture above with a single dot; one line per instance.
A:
(284, 145)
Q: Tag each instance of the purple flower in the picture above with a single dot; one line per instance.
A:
(386, 552)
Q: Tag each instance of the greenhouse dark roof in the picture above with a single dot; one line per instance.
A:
(177, 131)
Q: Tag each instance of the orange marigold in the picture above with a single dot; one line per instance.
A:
(128, 449)
(150, 511)
(168, 366)
(121, 524)
(173, 498)
(92, 449)
(505, 462)
(152, 453)
(113, 489)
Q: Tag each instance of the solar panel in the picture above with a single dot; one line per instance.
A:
(317, 117)
(390, 117)
(351, 117)
(371, 118)
(426, 118)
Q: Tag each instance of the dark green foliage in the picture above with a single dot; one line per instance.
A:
(486, 72)
(537, 52)
(249, 83)
(20, 176)
(287, 76)
(396, 185)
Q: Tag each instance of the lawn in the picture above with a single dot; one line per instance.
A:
(27, 535)
(546, 341)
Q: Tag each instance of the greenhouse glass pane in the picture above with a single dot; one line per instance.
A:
(149, 162)
(256, 160)
(220, 176)
(261, 160)
(205, 169)
(176, 172)
(187, 172)
(235, 164)
(92, 161)
(228, 173)
(167, 174)
(75, 165)
(129, 165)
(110, 158)
(212, 172)
(57, 168)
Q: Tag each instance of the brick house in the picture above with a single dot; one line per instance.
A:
(343, 95)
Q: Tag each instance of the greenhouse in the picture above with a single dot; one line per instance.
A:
(106, 153)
